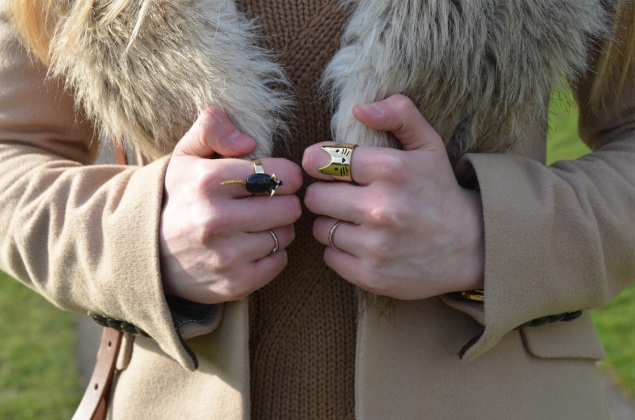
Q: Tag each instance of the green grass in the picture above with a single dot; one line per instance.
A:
(38, 376)
(39, 379)
(614, 322)
(563, 142)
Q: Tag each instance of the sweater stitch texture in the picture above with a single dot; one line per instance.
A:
(302, 325)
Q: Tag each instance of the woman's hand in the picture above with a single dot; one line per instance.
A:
(215, 244)
(409, 231)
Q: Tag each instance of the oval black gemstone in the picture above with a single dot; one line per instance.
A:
(261, 183)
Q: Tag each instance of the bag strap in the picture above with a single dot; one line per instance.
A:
(94, 403)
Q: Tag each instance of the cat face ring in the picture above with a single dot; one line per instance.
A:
(340, 165)
(259, 182)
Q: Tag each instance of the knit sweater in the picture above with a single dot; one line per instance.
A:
(302, 343)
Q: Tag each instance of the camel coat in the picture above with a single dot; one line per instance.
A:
(557, 239)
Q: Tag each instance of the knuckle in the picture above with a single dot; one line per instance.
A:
(392, 168)
(295, 207)
(282, 260)
(213, 223)
(373, 282)
(390, 215)
(209, 113)
(310, 158)
(203, 178)
(383, 216)
(379, 249)
(234, 289)
(289, 234)
(316, 229)
(224, 261)
(402, 103)
(310, 196)
(210, 117)
(295, 175)
(201, 228)
(243, 281)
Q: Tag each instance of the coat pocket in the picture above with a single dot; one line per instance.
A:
(577, 339)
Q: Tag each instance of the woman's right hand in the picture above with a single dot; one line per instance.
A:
(215, 244)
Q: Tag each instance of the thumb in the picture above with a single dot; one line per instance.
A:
(214, 133)
(400, 116)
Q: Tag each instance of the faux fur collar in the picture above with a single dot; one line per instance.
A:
(479, 70)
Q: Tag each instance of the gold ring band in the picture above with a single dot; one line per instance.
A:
(276, 245)
(477, 295)
(340, 166)
(258, 166)
(331, 236)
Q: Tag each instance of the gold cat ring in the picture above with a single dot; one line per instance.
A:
(340, 165)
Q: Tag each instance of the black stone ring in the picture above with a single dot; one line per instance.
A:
(258, 183)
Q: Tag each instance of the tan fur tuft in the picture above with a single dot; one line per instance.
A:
(479, 71)
(145, 69)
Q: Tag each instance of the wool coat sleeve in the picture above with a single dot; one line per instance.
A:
(558, 238)
(85, 237)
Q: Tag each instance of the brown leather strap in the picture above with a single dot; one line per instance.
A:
(94, 403)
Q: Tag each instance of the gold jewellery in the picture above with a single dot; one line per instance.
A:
(340, 165)
(259, 182)
(477, 295)
(331, 232)
(276, 244)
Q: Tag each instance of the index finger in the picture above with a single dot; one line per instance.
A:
(231, 176)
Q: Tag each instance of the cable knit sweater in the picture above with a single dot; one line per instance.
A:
(302, 336)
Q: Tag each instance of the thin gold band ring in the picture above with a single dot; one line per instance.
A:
(258, 166)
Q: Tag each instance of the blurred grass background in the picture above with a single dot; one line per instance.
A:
(39, 379)
(38, 376)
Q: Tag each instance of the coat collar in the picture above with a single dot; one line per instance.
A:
(479, 71)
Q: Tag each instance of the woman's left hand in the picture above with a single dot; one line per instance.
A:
(409, 230)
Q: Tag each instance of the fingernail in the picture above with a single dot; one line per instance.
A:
(236, 141)
(233, 138)
(371, 109)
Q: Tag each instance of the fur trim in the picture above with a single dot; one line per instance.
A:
(146, 75)
(479, 70)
